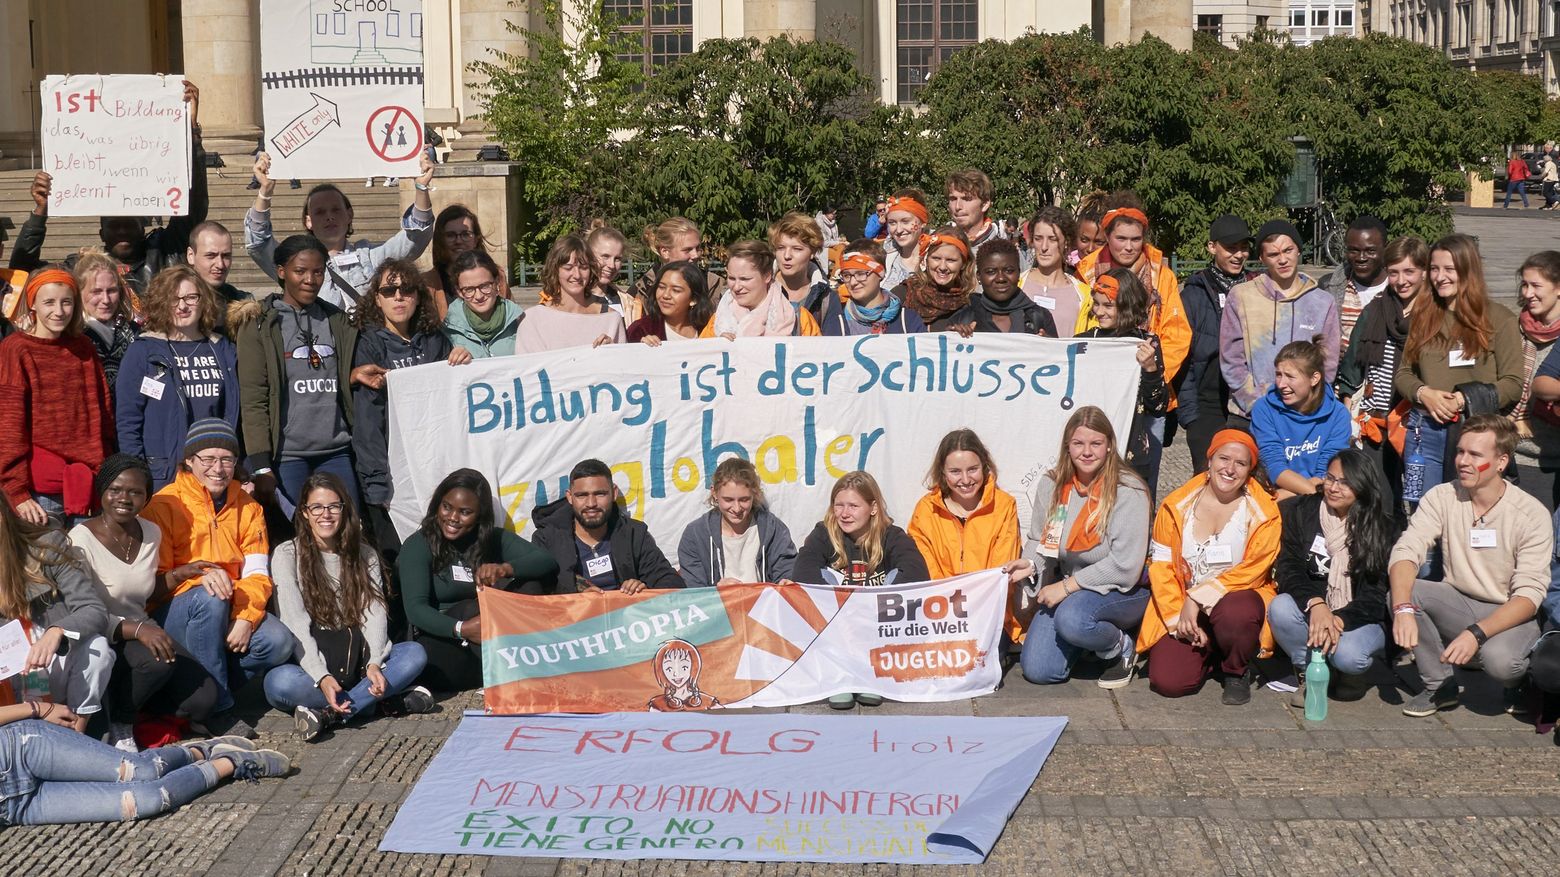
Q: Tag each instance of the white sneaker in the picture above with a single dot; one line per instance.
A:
(121, 735)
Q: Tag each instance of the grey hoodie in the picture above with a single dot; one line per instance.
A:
(701, 556)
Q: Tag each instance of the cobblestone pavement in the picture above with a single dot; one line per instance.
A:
(1138, 784)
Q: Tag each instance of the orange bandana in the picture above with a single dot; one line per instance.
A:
(1107, 286)
(861, 262)
(1234, 436)
(1130, 213)
(911, 206)
(937, 240)
(44, 277)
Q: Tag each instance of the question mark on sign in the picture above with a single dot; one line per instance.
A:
(175, 194)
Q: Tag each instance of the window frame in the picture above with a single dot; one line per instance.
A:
(644, 30)
(937, 49)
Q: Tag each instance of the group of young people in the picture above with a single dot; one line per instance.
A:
(197, 479)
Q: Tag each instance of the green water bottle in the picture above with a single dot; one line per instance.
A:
(1317, 675)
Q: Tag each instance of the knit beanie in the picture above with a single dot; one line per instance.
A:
(212, 432)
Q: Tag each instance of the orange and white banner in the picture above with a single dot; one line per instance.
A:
(741, 646)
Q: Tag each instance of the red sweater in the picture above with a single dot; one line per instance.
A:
(54, 396)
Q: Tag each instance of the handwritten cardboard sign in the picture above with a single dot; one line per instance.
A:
(342, 87)
(117, 145)
(934, 790)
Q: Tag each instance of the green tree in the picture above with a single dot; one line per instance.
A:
(740, 132)
(558, 110)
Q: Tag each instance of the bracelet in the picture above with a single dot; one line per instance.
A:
(1314, 602)
(136, 634)
(34, 705)
(421, 188)
(263, 197)
(1404, 609)
(1478, 633)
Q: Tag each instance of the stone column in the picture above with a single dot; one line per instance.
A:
(483, 27)
(222, 56)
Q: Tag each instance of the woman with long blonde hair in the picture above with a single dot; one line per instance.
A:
(858, 544)
(1088, 540)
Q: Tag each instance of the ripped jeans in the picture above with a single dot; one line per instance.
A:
(53, 776)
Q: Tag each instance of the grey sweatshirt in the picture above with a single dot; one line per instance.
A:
(290, 606)
(1116, 564)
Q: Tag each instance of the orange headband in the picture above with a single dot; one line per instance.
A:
(44, 278)
(861, 262)
(1107, 286)
(1234, 436)
(1131, 213)
(911, 206)
(940, 239)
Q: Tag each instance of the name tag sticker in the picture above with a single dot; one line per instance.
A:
(1046, 301)
(1217, 553)
(598, 566)
(1319, 546)
(152, 389)
(461, 574)
(1159, 552)
(1455, 358)
(1481, 538)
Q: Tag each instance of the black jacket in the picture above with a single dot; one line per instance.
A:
(1031, 318)
(634, 552)
(1303, 575)
(371, 407)
(899, 553)
(1200, 387)
(163, 246)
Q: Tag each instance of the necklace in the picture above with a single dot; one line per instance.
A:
(1479, 521)
(126, 547)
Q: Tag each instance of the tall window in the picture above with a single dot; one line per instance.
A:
(661, 30)
(928, 32)
(1212, 25)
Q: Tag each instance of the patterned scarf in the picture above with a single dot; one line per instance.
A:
(774, 316)
(932, 302)
(877, 318)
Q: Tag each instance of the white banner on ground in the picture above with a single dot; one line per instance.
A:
(342, 87)
(804, 410)
(117, 145)
(931, 790)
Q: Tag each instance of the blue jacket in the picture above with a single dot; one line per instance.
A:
(1302, 443)
(1549, 613)
(155, 428)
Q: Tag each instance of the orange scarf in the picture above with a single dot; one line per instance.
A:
(1085, 533)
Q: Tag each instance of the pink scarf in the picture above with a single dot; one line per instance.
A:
(773, 316)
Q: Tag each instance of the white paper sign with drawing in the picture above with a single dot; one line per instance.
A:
(116, 145)
(341, 85)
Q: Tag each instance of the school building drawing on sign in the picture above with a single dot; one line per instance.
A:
(362, 33)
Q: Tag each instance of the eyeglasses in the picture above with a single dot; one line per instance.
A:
(460, 235)
(487, 288)
(397, 291)
(324, 510)
(191, 300)
(1329, 481)
(209, 462)
(854, 277)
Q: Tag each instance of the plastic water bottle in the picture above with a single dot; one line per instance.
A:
(1317, 675)
(1413, 473)
(35, 686)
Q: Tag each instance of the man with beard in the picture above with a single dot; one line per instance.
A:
(597, 546)
(139, 253)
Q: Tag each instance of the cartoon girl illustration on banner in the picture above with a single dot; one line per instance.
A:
(677, 666)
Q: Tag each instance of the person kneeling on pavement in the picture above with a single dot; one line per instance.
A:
(1332, 573)
(215, 564)
(1481, 616)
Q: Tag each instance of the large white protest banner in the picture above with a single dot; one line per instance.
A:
(341, 87)
(931, 790)
(116, 145)
(804, 410)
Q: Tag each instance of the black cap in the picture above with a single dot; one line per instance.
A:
(1229, 229)
(1278, 226)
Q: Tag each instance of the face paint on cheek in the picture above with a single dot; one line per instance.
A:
(1482, 468)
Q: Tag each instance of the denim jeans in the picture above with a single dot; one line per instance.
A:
(1291, 629)
(79, 678)
(54, 776)
(1085, 621)
(200, 622)
(291, 472)
(288, 687)
(1429, 436)
(1520, 187)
